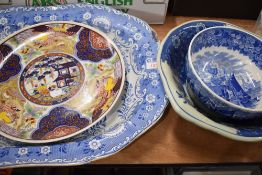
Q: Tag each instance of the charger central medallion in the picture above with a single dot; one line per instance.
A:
(51, 79)
(57, 79)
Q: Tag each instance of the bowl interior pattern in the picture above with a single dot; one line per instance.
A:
(175, 47)
(171, 62)
(228, 61)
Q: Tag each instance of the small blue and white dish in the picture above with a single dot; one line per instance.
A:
(171, 64)
(224, 74)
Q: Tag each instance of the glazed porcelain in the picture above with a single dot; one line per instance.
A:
(57, 80)
(142, 101)
(224, 73)
(172, 63)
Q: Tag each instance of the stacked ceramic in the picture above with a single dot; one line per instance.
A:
(84, 90)
(211, 71)
(224, 74)
(77, 80)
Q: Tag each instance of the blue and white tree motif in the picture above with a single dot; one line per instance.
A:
(227, 76)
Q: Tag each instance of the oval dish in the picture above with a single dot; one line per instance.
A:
(142, 102)
(172, 66)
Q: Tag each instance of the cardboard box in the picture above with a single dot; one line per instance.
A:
(152, 11)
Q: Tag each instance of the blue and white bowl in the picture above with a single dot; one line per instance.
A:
(224, 74)
(171, 65)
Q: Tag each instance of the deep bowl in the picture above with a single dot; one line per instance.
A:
(224, 73)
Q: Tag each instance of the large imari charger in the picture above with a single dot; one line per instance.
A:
(142, 102)
(57, 80)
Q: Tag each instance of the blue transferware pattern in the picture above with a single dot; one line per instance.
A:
(227, 79)
(143, 100)
(171, 62)
(180, 40)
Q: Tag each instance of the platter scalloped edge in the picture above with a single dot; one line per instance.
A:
(84, 149)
